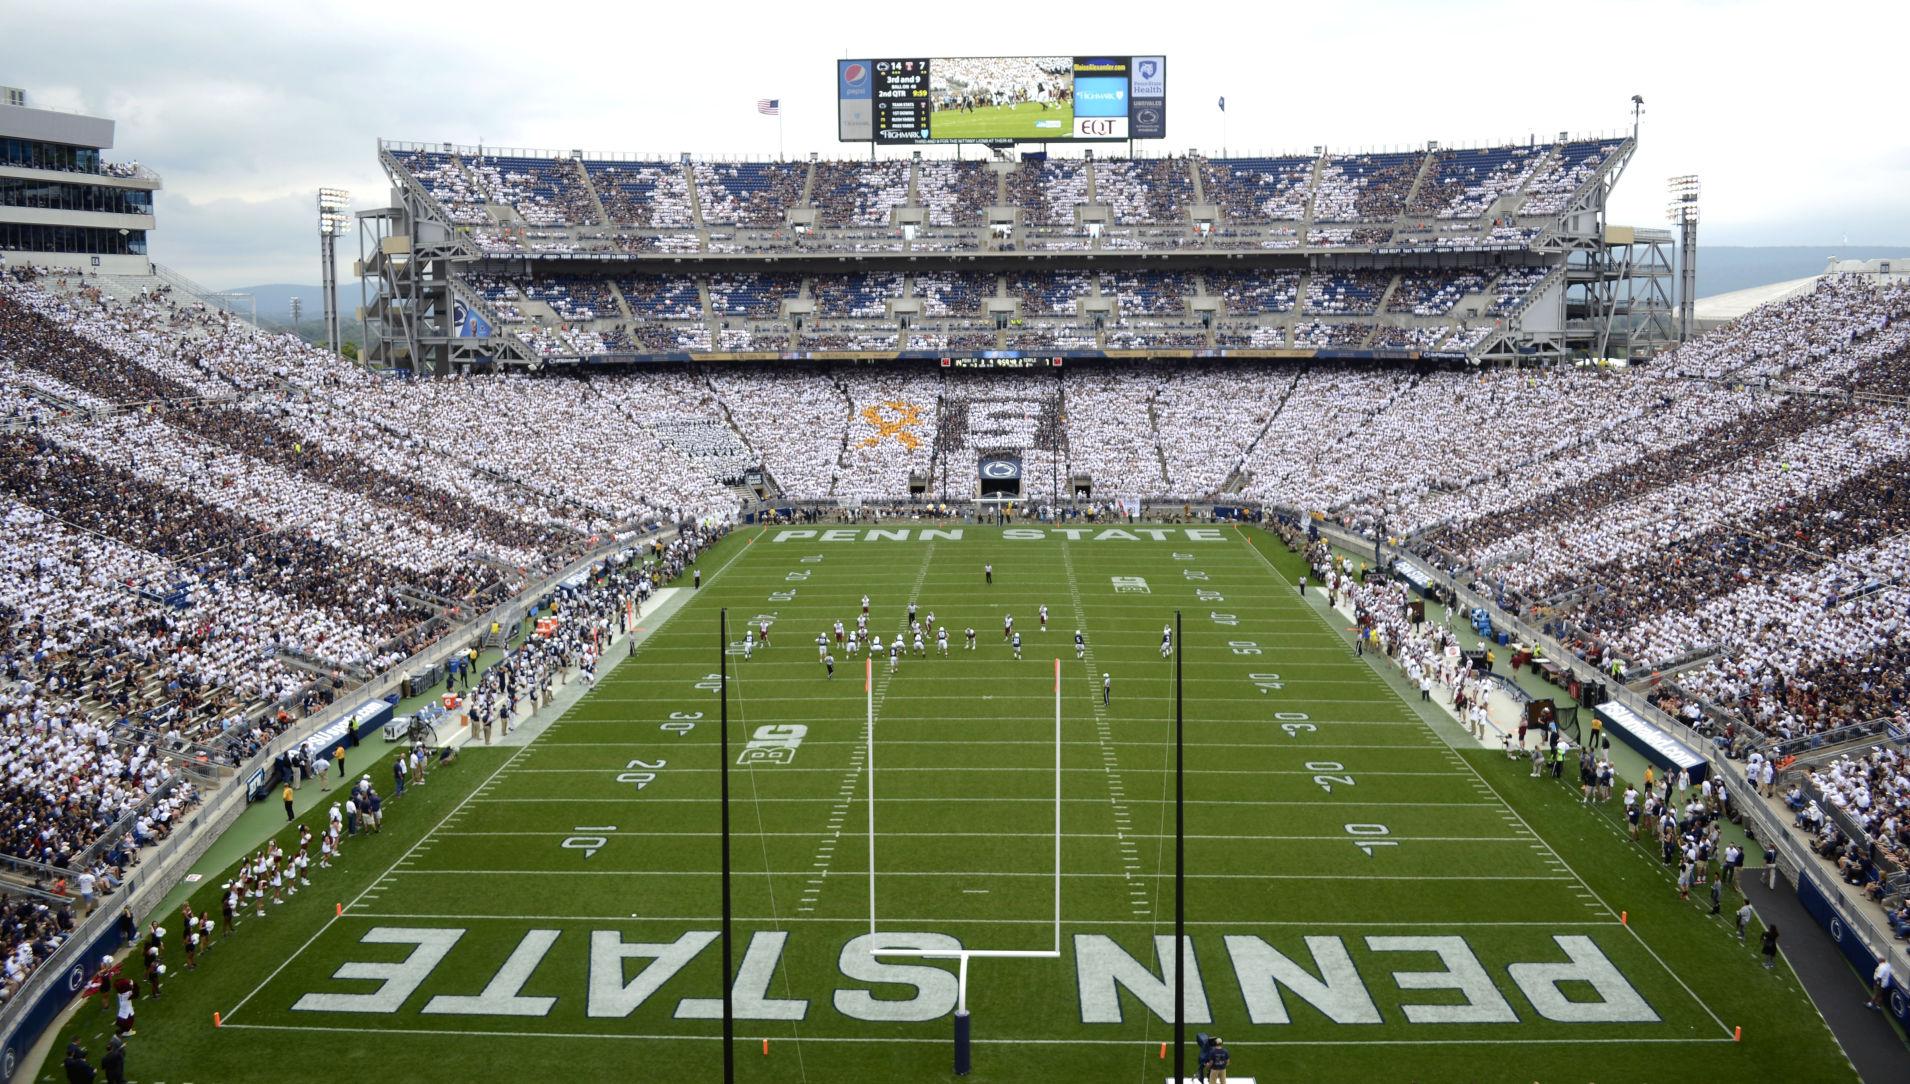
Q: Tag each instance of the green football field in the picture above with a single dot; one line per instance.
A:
(1364, 901)
(1027, 121)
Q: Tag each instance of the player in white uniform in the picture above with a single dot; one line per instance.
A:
(941, 640)
(865, 605)
(822, 643)
(1044, 617)
(971, 638)
(895, 654)
(749, 643)
(929, 621)
(855, 644)
(875, 645)
(1015, 642)
(911, 611)
(1167, 640)
(862, 622)
(920, 647)
(1080, 645)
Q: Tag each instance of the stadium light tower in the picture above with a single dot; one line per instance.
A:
(333, 219)
(1683, 212)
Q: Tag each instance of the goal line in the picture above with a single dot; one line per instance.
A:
(965, 954)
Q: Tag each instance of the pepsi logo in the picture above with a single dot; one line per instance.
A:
(855, 75)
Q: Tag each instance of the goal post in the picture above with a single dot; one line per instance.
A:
(963, 955)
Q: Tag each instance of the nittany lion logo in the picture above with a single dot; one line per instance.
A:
(905, 417)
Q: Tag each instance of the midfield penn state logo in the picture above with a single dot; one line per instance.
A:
(1148, 68)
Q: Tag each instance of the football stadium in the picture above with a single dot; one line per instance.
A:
(950, 603)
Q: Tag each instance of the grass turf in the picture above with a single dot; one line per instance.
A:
(965, 806)
(1021, 121)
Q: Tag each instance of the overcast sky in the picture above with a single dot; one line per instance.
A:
(245, 109)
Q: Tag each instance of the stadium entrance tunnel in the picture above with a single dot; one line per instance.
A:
(1000, 476)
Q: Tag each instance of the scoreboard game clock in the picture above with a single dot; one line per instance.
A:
(901, 101)
(1002, 100)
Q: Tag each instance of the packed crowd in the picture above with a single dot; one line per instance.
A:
(1472, 193)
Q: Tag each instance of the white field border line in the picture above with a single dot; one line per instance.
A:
(978, 874)
(1084, 923)
(624, 1036)
(870, 696)
(982, 742)
(391, 871)
(650, 637)
(455, 810)
(1138, 901)
(958, 799)
(989, 769)
(999, 835)
(1584, 886)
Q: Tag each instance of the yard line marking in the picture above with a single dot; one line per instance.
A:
(1087, 923)
(1043, 801)
(1487, 787)
(877, 690)
(625, 1036)
(387, 875)
(971, 873)
(1125, 837)
(1117, 790)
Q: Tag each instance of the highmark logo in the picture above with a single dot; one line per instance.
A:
(900, 424)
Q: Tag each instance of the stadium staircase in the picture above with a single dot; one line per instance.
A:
(1312, 193)
(500, 330)
(1379, 310)
(808, 186)
(458, 238)
(1544, 161)
(1238, 477)
(1427, 163)
(1154, 435)
(623, 305)
(583, 175)
(1292, 319)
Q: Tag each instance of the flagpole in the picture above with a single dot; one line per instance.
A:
(779, 131)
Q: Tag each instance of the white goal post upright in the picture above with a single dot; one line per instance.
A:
(962, 956)
(868, 755)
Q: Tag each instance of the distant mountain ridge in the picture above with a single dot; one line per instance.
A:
(1725, 268)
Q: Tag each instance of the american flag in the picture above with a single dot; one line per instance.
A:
(769, 107)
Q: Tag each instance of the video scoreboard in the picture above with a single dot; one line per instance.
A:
(998, 100)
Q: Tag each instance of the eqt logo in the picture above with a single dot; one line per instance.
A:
(1100, 126)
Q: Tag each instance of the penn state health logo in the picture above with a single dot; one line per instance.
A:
(1148, 68)
(899, 423)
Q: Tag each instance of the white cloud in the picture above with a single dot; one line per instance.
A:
(234, 102)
